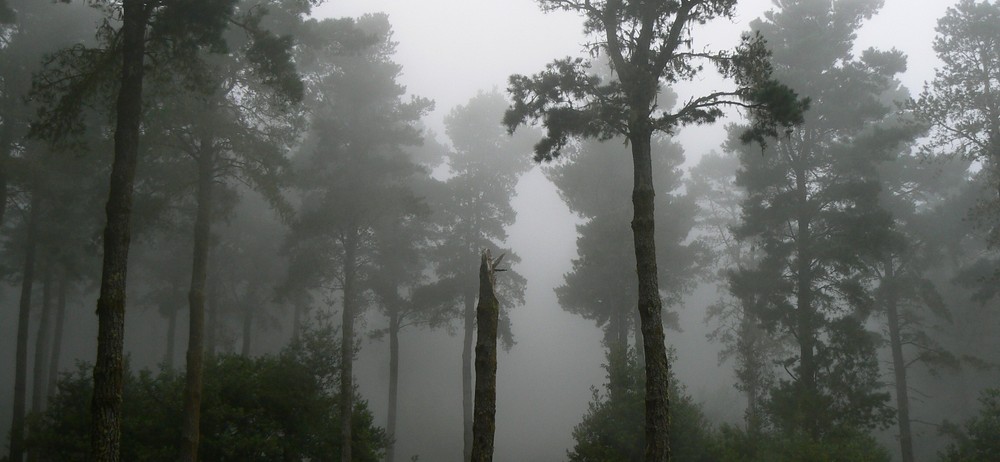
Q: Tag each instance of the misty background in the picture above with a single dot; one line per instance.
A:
(450, 51)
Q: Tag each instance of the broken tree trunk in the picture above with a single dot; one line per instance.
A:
(487, 316)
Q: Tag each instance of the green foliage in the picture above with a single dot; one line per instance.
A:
(736, 445)
(280, 407)
(977, 439)
(612, 430)
(649, 46)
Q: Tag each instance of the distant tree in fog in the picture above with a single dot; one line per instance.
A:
(813, 208)
(744, 340)
(650, 44)
(962, 103)
(594, 180)
(485, 165)
(355, 177)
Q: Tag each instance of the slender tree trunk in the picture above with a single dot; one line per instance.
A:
(23, 316)
(347, 347)
(898, 363)
(38, 380)
(168, 357)
(212, 326)
(390, 451)
(470, 317)
(38, 369)
(650, 307)
(806, 331)
(487, 318)
(296, 320)
(190, 434)
(248, 308)
(617, 351)
(57, 336)
(105, 437)
(5, 142)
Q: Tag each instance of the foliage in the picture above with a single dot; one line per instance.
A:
(279, 407)
(612, 428)
(736, 445)
(976, 440)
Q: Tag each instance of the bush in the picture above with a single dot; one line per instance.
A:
(279, 407)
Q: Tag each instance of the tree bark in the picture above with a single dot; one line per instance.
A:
(650, 306)
(168, 356)
(390, 451)
(105, 439)
(23, 316)
(898, 363)
(487, 319)
(470, 316)
(190, 434)
(347, 346)
(57, 336)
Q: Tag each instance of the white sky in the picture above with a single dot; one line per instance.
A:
(449, 50)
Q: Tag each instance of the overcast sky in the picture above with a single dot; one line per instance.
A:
(450, 49)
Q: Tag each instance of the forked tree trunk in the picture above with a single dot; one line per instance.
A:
(105, 436)
(390, 450)
(657, 423)
(190, 434)
(347, 346)
(57, 336)
(470, 318)
(487, 318)
(39, 367)
(898, 363)
(23, 316)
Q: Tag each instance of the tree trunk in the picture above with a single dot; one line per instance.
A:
(650, 307)
(296, 320)
(617, 340)
(806, 331)
(41, 345)
(196, 298)
(248, 308)
(57, 336)
(390, 451)
(105, 437)
(347, 347)
(470, 316)
(212, 326)
(898, 363)
(23, 316)
(5, 142)
(487, 318)
(168, 357)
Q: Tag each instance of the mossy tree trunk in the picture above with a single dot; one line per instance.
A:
(487, 320)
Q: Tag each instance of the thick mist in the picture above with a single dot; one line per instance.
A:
(356, 159)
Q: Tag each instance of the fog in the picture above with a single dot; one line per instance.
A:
(264, 246)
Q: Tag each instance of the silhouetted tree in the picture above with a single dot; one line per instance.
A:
(650, 44)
